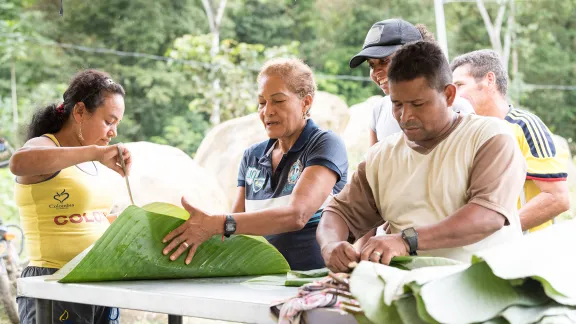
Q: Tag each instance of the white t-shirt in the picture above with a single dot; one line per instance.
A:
(383, 123)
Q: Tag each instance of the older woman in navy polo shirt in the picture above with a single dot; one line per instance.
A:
(283, 182)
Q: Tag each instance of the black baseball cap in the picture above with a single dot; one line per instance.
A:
(384, 38)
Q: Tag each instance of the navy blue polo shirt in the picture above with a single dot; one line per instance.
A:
(314, 147)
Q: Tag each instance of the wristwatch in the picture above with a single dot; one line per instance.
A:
(410, 236)
(229, 226)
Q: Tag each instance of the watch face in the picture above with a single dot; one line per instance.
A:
(410, 232)
(230, 227)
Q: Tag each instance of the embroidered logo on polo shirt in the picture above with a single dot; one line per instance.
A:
(293, 176)
(251, 174)
(258, 184)
(295, 172)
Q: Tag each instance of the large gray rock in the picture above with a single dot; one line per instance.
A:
(357, 133)
(162, 173)
(222, 148)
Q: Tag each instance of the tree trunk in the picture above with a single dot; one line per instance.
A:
(494, 28)
(14, 98)
(214, 21)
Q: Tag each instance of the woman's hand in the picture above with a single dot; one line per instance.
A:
(112, 217)
(195, 231)
(109, 157)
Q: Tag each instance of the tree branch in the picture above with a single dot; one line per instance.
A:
(500, 18)
(494, 38)
(220, 12)
(209, 14)
(508, 39)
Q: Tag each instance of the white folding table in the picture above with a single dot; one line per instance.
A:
(228, 299)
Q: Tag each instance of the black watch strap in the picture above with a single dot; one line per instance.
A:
(229, 226)
(410, 236)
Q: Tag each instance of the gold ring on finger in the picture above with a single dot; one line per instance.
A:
(185, 244)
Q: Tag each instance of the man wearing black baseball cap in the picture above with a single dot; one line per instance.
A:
(383, 39)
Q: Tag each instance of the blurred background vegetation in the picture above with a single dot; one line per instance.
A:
(190, 64)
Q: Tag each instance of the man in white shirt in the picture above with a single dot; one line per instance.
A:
(382, 41)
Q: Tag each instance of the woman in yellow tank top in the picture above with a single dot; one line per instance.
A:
(63, 203)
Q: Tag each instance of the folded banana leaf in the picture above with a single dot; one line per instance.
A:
(529, 280)
(131, 249)
(294, 278)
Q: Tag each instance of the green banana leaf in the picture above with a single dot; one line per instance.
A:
(530, 280)
(524, 314)
(367, 287)
(315, 273)
(475, 295)
(557, 320)
(297, 278)
(416, 262)
(294, 278)
(546, 256)
(131, 249)
(408, 310)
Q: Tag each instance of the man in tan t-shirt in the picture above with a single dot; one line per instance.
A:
(447, 184)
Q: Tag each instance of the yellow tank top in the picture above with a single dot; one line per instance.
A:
(63, 215)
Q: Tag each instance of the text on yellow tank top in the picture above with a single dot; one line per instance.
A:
(63, 215)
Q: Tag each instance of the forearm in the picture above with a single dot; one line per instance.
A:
(332, 228)
(542, 208)
(468, 225)
(34, 161)
(272, 221)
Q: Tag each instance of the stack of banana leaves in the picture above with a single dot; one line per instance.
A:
(531, 280)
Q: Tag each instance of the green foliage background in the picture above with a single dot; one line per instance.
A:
(169, 96)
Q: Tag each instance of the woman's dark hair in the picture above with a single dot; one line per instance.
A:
(89, 87)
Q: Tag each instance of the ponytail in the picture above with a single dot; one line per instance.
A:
(47, 120)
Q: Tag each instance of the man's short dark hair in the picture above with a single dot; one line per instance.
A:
(421, 59)
(481, 62)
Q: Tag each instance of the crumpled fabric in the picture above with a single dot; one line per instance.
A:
(310, 296)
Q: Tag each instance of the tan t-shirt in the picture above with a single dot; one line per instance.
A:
(476, 161)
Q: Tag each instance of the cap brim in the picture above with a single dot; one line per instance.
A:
(372, 52)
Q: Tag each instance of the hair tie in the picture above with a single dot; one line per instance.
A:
(60, 109)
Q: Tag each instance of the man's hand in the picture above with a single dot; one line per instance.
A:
(381, 249)
(338, 255)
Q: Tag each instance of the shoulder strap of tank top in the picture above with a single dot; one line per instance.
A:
(53, 138)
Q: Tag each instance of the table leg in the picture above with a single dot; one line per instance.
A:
(43, 311)
(174, 319)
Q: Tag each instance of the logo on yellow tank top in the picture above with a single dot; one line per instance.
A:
(94, 217)
(61, 197)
